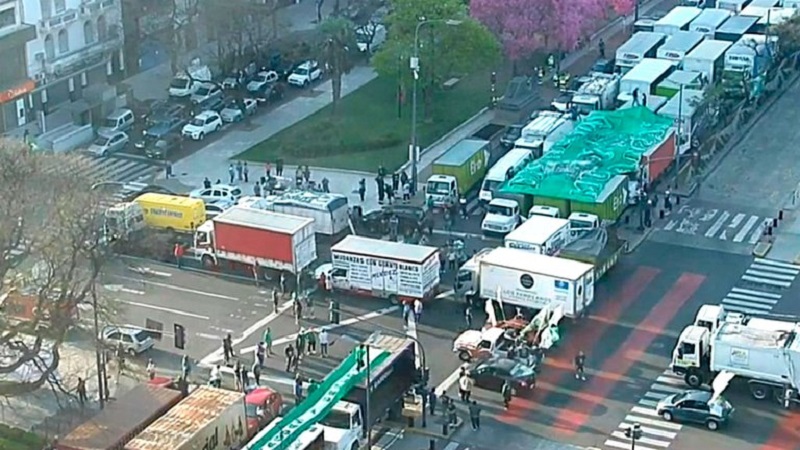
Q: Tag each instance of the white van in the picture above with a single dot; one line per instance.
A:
(119, 120)
(503, 170)
(534, 134)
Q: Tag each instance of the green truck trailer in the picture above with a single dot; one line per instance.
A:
(457, 172)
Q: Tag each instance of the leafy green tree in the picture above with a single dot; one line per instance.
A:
(445, 50)
(337, 51)
(788, 34)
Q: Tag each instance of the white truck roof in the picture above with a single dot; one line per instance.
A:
(640, 43)
(263, 220)
(597, 84)
(749, 337)
(542, 125)
(537, 229)
(710, 19)
(691, 99)
(648, 70)
(678, 16)
(680, 42)
(522, 260)
(709, 50)
(376, 248)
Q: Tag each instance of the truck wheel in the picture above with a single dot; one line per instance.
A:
(759, 391)
(208, 262)
(464, 356)
(693, 379)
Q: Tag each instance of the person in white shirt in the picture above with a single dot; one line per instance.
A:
(214, 379)
(417, 310)
(323, 342)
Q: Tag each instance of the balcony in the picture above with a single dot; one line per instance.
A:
(58, 21)
(86, 56)
(92, 8)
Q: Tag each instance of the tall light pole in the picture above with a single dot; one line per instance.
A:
(414, 64)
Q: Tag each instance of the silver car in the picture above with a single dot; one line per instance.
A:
(132, 340)
(107, 143)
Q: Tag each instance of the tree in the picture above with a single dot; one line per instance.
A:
(242, 29)
(336, 53)
(182, 35)
(51, 252)
(788, 33)
(443, 50)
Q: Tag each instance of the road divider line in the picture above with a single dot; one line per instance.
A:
(164, 309)
(181, 289)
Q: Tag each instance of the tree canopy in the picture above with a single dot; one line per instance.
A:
(788, 34)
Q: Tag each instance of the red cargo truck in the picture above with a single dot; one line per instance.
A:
(256, 237)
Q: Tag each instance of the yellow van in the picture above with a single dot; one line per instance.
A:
(171, 212)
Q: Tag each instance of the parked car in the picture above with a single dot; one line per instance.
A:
(206, 92)
(261, 80)
(217, 192)
(164, 110)
(604, 65)
(165, 127)
(281, 65)
(493, 372)
(234, 110)
(215, 104)
(119, 120)
(164, 146)
(230, 83)
(107, 143)
(510, 136)
(305, 74)
(204, 123)
(701, 407)
(132, 340)
(217, 207)
(270, 93)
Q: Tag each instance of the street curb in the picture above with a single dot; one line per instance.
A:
(429, 432)
(632, 245)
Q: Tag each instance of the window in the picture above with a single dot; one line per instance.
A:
(102, 29)
(60, 5)
(88, 32)
(63, 41)
(8, 17)
(127, 338)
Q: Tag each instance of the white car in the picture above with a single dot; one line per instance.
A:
(132, 340)
(206, 92)
(234, 111)
(262, 79)
(204, 123)
(110, 142)
(218, 192)
(217, 207)
(305, 74)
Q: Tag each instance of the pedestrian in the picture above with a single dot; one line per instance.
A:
(417, 310)
(462, 392)
(237, 376)
(452, 416)
(298, 389)
(362, 189)
(283, 283)
(186, 367)
(307, 174)
(636, 97)
(451, 260)
(298, 176)
(381, 172)
(323, 342)
(288, 354)
(275, 301)
(256, 272)
(257, 189)
(81, 391)
(644, 99)
(580, 366)
(260, 353)
(279, 167)
(246, 172)
(467, 383)
(445, 404)
(244, 382)
(404, 178)
(150, 369)
(227, 349)
(239, 170)
(268, 169)
(448, 220)
(326, 188)
(231, 174)
(215, 378)
(206, 183)
(380, 186)
(177, 251)
(300, 343)
(468, 317)
(475, 415)
(432, 401)
(328, 285)
(505, 391)
(298, 312)
(601, 46)
(406, 192)
(311, 337)
(389, 193)
(256, 374)
(395, 181)
(268, 341)
(406, 313)
(462, 205)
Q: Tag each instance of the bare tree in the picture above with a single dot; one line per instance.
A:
(182, 29)
(337, 52)
(51, 252)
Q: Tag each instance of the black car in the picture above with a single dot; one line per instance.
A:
(603, 65)
(164, 147)
(492, 373)
(270, 93)
(510, 136)
(215, 104)
(410, 218)
(163, 111)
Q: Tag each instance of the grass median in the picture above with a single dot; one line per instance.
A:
(367, 130)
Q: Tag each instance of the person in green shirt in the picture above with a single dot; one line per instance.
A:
(311, 338)
(268, 341)
(313, 385)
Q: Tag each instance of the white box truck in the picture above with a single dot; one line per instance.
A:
(641, 45)
(709, 20)
(679, 45)
(677, 19)
(527, 280)
(540, 234)
(644, 78)
(375, 268)
(535, 134)
(707, 58)
(599, 93)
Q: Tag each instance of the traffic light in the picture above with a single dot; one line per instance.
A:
(634, 432)
(180, 336)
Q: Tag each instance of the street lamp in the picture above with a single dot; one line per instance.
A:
(414, 64)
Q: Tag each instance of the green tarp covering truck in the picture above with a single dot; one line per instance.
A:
(457, 172)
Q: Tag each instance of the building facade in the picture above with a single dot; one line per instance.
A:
(14, 80)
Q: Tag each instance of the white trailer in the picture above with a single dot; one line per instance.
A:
(644, 78)
(709, 20)
(539, 234)
(735, 6)
(599, 93)
(65, 138)
(707, 58)
(640, 46)
(527, 280)
(676, 20)
(376, 268)
(679, 45)
(329, 211)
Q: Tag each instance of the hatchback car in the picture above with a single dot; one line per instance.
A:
(235, 111)
(492, 373)
(204, 123)
(107, 143)
(218, 192)
(164, 147)
(696, 406)
(133, 340)
(206, 92)
(261, 80)
(217, 207)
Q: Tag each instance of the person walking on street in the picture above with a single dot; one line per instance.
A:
(464, 387)
(245, 378)
(601, 47)
(279, 167)
(268, 341)
(246, 172)
(186, 367)
(452, 416)
(237, 376)
(311, 337)
(256, 369)
(288, 354)
(298, 389)
(283, 284)
(323, 342)
(231, 174)
(417, 311)
(215, 379)
(580, 366)
(468, 317)
(206, 183)
(150, 369)
(432, 401)
(406, 313)
(227, 349)
(178, 253)
(300, 343)
(261, 354)
(362, 189)
(505, 391)
(275, 301)
(81, 391)
(298, 312)
(475, 415)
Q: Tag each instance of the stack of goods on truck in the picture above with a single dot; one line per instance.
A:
(592, 169)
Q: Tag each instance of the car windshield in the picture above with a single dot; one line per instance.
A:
(197, 122)
(438, 187)
(101, 141)
(251, 410)
(179, 83)
(337, 419)
(301, 71)
(521, 371)
(141, 336)
(203, 91)
(111, 123)
(499, 210)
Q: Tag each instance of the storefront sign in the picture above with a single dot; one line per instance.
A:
(22, 89)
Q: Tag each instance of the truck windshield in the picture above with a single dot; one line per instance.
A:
(580, 225)
(499, 210)
(179, 83)
(586, 108)
(439, 187)
(491, 185)
(337, 419)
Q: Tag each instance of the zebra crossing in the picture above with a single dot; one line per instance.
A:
(114, 168)
(715, 223)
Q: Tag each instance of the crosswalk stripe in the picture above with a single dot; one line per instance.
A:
(765, 281)
(757, 293)
(670, 379)
(718, 224)
(624, 445)
(643, 440)
(772, 262)
(746, 311)
(745, 229)
(756, 235)
(647, 402)
(737, 219)
(738, 296)
(646, 411)
(776, 276)
(774, 269)
(746, 304)
(653, 422)
(651, 430)
(655, 395)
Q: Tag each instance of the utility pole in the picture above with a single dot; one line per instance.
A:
(99, 359)
(678, 137)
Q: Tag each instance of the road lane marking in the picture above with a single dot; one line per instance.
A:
(718, 224)
(772, 262)
(654, 422)
(737, 219)
(736, 296)
(646, 411)
(651, 430)
(181, 289)
(164, 309)
(655, 395)
(758, 293)
(121, 288)
(745, 229)
(758, 280)
(650, 403)
(774, 269)
(212, 337)
(773, 275)
(728, 301)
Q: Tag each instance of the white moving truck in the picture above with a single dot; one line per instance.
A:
(709, 20)
(329, 211)
(599, 93)
(735, 6)
(676, 20)
(707, 58)
(644, 78)
(682, 108)
(503, 170)
(539, 234)
(534, 134)
(641, 45)
(679, 45)
(372, 267)
(527, 280)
